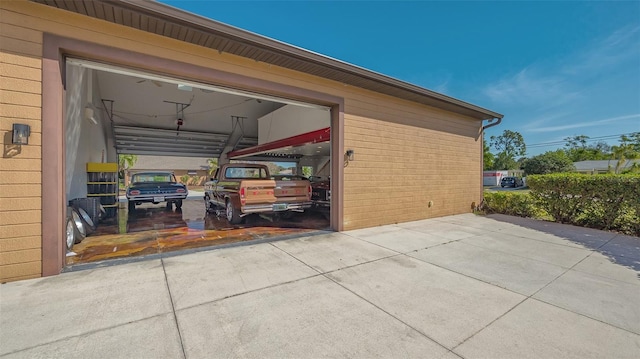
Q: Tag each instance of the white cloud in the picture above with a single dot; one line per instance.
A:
(545, 86)
(531, 88)
(584, 124)
(545, 118)
(618, 47)
(443, 87)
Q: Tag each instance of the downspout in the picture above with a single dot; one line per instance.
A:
(490, 124)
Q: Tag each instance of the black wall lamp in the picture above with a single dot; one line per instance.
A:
(349, 155)
(21, 134)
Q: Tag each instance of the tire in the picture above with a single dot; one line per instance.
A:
(89, 226)
(80, 231)
(233, 215)
(70, 233)
(131, 206)
(178, 204)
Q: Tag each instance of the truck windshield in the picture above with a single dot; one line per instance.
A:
(245, 172)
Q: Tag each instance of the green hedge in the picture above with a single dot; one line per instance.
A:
(511, 203)
(600, 201)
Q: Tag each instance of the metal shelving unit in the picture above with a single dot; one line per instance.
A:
(102, 182)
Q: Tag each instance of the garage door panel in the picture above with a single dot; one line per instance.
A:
(150, 141)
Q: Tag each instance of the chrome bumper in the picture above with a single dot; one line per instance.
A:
(149, 198)
(276, 207)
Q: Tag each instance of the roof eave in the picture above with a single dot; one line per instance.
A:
(200, 23)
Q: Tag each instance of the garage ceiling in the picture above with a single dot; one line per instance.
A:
(144, 110)
(145, 114)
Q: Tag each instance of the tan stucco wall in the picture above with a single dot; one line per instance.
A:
(406, 154)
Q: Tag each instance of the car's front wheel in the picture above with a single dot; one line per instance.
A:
(131, 206)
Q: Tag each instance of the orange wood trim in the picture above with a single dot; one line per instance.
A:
(337, 167)
(53, 174)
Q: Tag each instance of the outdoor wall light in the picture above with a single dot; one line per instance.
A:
(349, 155)
(21, 134)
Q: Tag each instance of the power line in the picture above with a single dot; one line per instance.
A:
(590, 139)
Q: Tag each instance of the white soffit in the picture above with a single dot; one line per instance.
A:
(154, 77)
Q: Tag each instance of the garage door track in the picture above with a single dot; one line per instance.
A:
(460, 286)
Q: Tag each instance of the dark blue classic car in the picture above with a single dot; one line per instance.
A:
(155, 187)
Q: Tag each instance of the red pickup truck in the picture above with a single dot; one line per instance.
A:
(244, 188)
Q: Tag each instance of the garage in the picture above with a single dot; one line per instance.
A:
(85, 82)
(113, 111)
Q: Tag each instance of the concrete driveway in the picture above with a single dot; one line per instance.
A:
(460, 286)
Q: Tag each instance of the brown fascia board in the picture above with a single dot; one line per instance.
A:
(185, 18)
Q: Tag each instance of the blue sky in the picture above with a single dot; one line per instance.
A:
(554, 69)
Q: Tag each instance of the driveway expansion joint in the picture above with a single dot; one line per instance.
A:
(173, 309)
(542, 301)
(325, 275)
(83, 334)
(248, 292)
(387, 313)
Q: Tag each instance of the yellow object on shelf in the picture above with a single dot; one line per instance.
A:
(102, 167)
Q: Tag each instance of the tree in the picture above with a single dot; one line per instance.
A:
(548, 162)
(600, 150)
(577, 149)
(124, 163)
(213, 165)
(509, 145)
(488, 157)
(504, 162)
(628, 149)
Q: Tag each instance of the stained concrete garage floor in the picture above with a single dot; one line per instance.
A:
(460, 286)
(154, 229)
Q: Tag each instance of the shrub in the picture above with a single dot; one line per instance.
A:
(603, 201)
(511, 203)
(561, 195)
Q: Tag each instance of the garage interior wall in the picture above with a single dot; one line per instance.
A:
(85, 140)
(406, 154)
(290, 120)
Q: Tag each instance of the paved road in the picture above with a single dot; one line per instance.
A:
(460, 286)
(498, 188)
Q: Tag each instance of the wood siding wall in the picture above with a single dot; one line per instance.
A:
(406, 154)
(20, 167)
(402, 163)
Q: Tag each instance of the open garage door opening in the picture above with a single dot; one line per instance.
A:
(154, 163)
